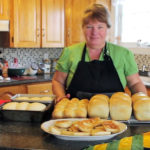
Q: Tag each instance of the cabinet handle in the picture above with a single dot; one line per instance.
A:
(45, 91)
(43, 32)
(38, 32)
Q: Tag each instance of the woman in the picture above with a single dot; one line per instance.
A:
(95, 66)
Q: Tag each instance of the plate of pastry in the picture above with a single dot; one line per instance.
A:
(87, 129)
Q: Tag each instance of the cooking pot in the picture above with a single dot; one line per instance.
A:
(15, 72)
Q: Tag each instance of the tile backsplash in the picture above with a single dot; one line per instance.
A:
(26, 56)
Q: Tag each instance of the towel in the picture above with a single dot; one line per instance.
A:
(137, 142)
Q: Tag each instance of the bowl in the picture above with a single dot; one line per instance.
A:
(16, 72)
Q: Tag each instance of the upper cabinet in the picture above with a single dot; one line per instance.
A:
(74, 10)
(53, 23)
(4, 9)
(27, 23)
(38, 23)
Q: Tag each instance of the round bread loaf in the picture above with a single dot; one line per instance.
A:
(22, 106)
(34, 98)
(22, 98)
(99, 106)
(46, 98)
(138, 96)
(10, 106)
(59, 108)
(36, 106)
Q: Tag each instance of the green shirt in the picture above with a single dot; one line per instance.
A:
(123, 60)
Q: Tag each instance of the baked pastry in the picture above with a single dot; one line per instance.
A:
(10, 106)
(141, 108)
(99, 106)
(36, 106)
(59, 108)
(120, 106)
(63, 123)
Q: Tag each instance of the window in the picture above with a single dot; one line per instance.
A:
(132, 22)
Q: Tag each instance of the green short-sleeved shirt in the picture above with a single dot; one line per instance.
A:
(123, 60)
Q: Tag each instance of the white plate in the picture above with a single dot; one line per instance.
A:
(46, 125)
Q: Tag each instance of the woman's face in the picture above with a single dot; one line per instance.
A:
(95, 33)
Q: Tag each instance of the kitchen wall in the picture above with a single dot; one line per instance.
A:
(28, 55)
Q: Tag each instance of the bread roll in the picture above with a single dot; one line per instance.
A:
(59, 109)
(141, 109)
(10, 106)
(22, 106)
(120, 106)
(138, 96)
(81, 111)
(36, 106)
(71, 107)
(99, 106)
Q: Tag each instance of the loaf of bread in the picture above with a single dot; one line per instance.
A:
(99, 106)
(120, 106)
(138, 96)
(141, 107)
(36, 106)
(24, 106)
(59, 109)
(10, 106)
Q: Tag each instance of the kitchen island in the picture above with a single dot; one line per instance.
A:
(29, 136)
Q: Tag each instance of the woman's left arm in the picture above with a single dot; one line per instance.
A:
(135, 84)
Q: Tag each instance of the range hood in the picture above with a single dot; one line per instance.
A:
(4, 25)
(4, 33)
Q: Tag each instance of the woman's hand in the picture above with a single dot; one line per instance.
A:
(60, 98)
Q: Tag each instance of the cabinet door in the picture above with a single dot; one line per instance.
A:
(52, 23)
(74, 10)
(8, 92)
(26, 23)
(40, 88)
(4, 9)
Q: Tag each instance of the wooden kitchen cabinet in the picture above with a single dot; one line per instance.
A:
(4, 9)
(40, 88)
(148, 91)
(38, 23)
(52, 23)
(9, 91)
(73, 13)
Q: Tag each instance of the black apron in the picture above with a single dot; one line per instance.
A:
(95, 77)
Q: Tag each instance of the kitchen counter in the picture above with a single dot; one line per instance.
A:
(26, 135)
(27, 80)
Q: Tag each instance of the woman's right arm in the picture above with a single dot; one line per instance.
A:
(58, 85)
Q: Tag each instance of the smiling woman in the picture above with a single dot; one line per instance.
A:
(95, 66)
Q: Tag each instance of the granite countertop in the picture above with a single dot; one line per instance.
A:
(26, 80)
(27, 135)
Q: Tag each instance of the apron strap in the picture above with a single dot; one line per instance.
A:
(106, 57)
